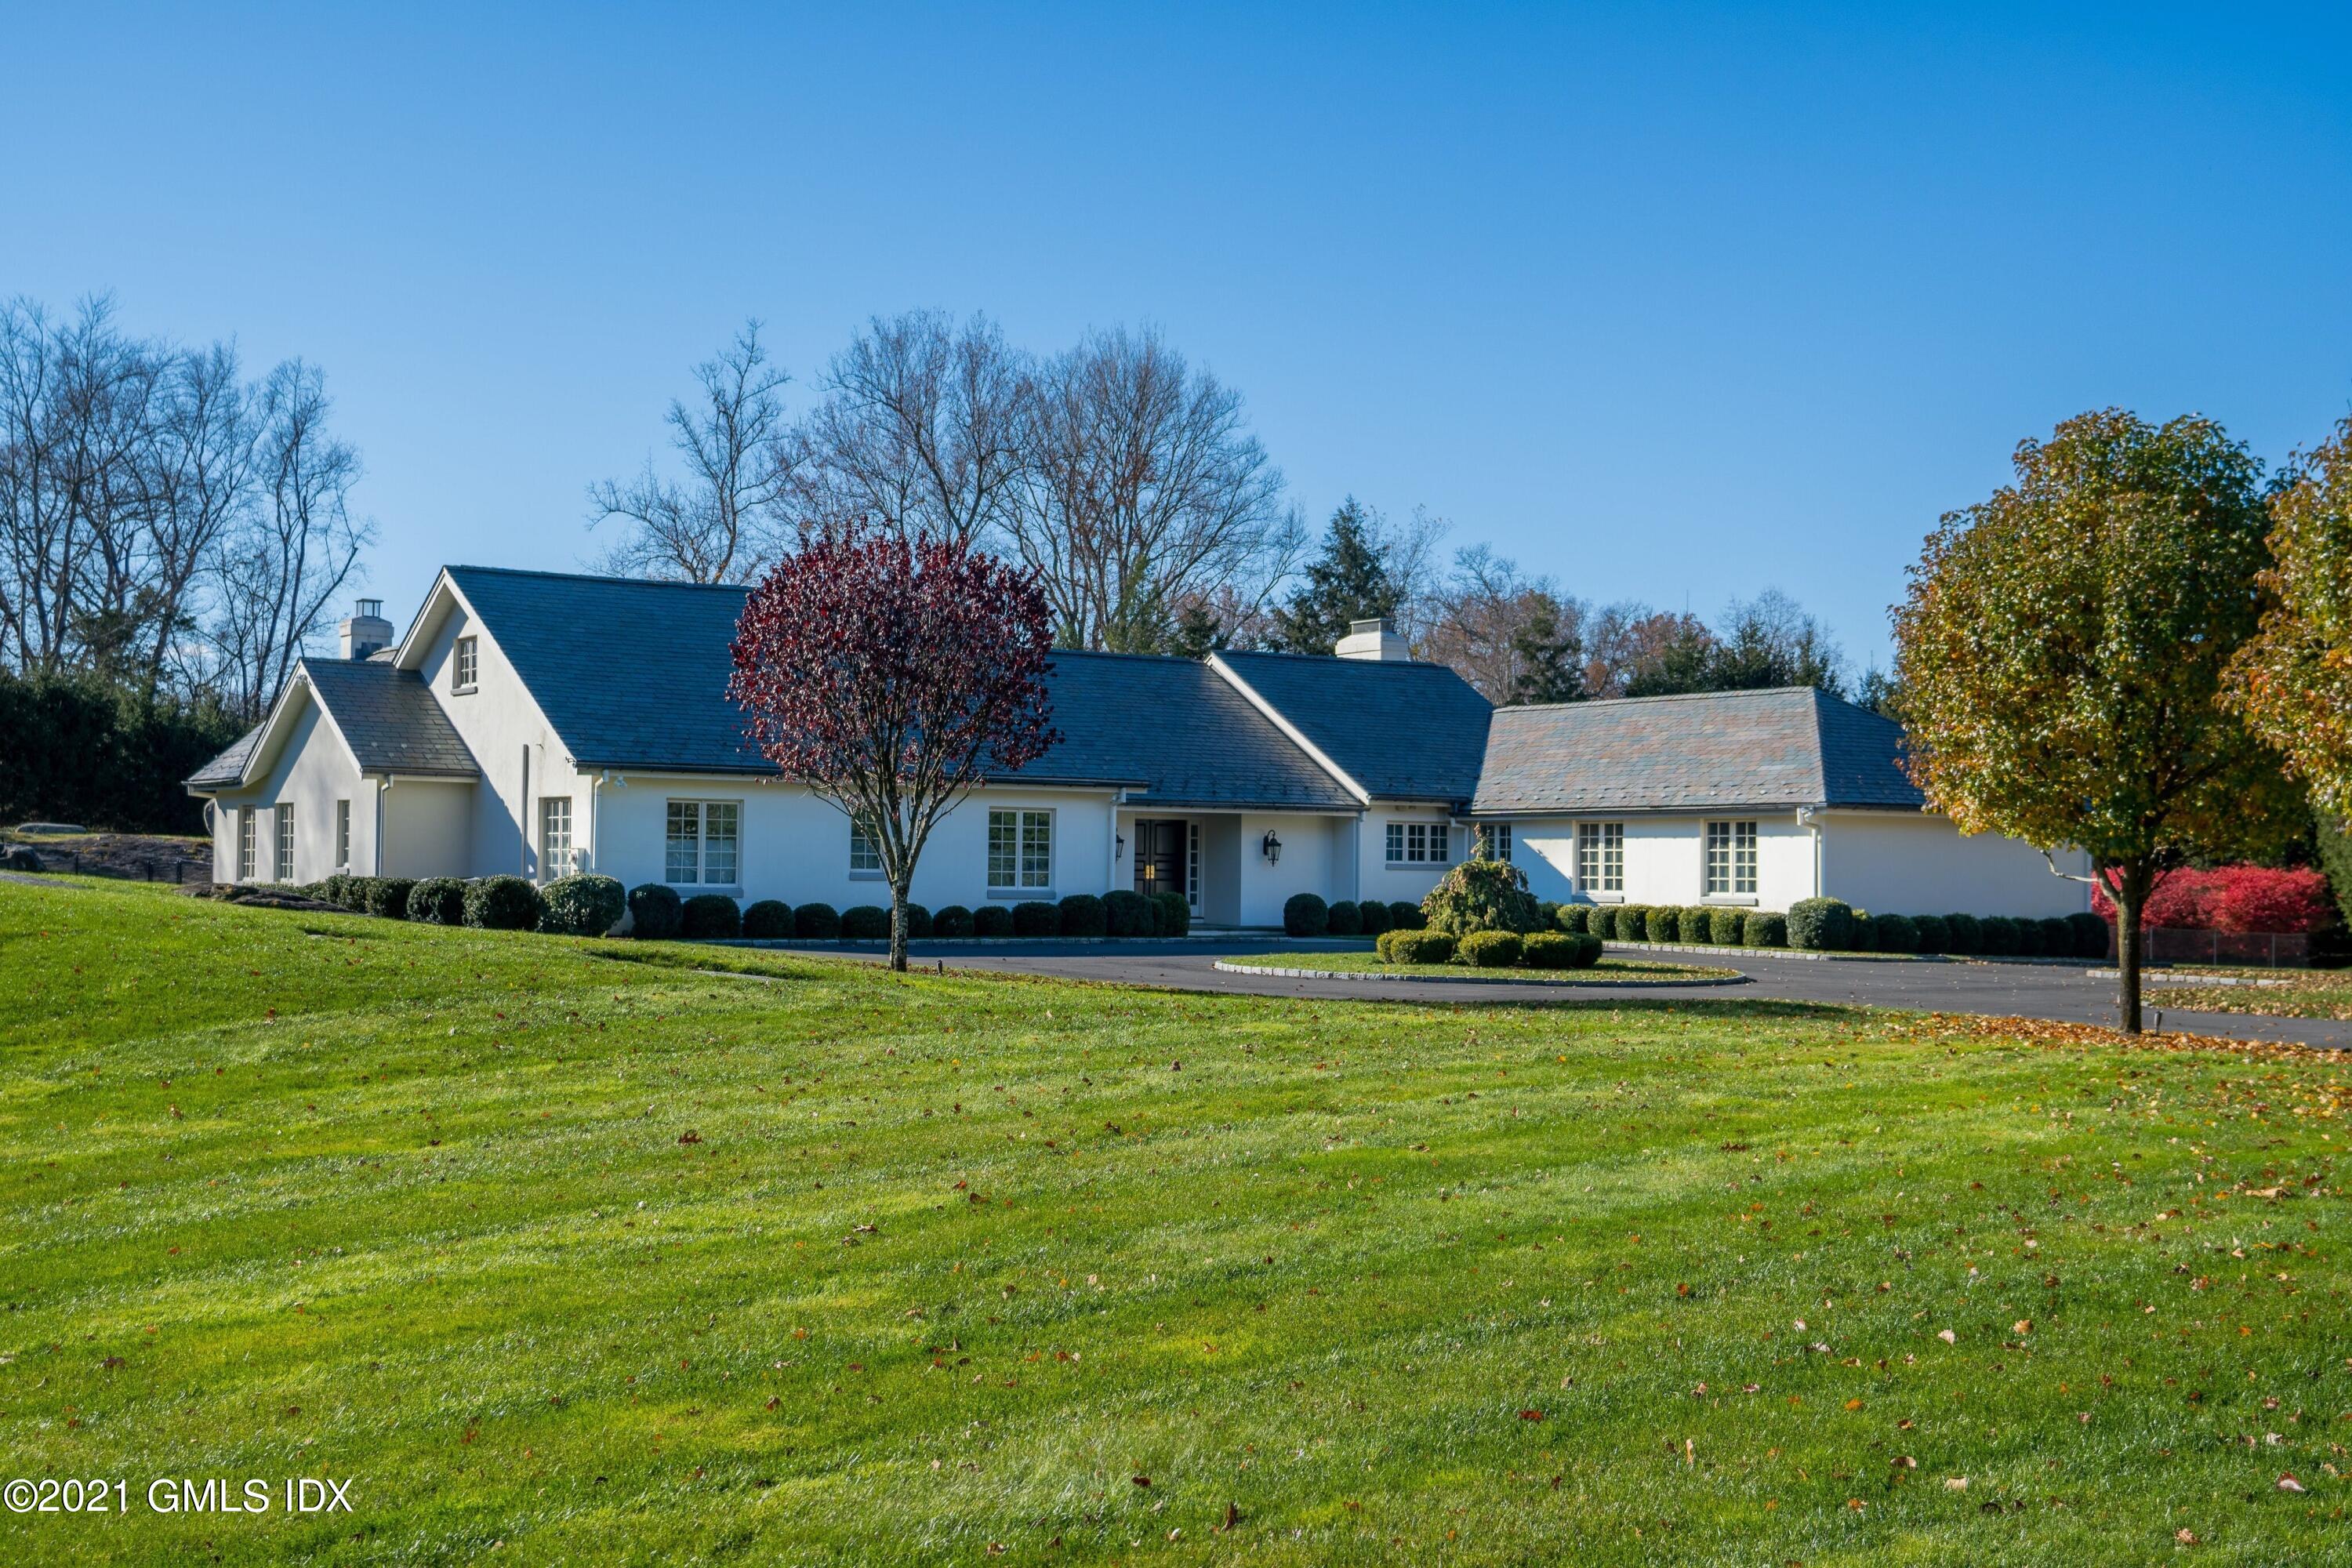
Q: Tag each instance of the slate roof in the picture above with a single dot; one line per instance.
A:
(1403, 730)
(391, 721)
(1784, 747)
(634, 675)
(224, 770)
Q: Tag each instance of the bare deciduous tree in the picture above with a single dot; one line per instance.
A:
(1513, 638)
(723, 522)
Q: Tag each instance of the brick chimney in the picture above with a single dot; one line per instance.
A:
(367, 630)
(1374, 640)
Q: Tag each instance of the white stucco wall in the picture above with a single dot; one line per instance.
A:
(427, 828)
(1410, 882)
(312, 770)
(1665, 860)
(1922, 864)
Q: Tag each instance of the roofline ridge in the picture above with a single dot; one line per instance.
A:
(593, 577)
(1664, 697)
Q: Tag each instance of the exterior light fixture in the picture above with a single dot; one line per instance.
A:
(1273, 848)
(1118, 846)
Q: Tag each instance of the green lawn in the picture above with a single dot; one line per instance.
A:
(556, 1259)
(1373, 964)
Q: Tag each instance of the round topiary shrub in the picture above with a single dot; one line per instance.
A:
(864, 922)
(1126, 913)
(437, 901)
(502, 904)
(1697, 924)
(1083, 915)
(1035, 917)
(1573, 918)
(1416, 947)
(1865, 936)
(584, 905)
(1405, 915)
(1727, 928)
(1821, 925)
(992, 919)
(1373, 916)
(388, 897)
(816, 922)
(952, 922)
(1548, 950)
(1935, 936)
(2090, 935)
(338, 889)
(2029, 936)
(655, 910)
(1663, 924)
(2057, 937)
(711, 917)
(919, 922)
(1304, 914)
(1170, 915)
(1894, 933)
(769, 920)
(1588, 951)
(1489, 949)
(1344, 919)
(1963, 934)
(1765, 929)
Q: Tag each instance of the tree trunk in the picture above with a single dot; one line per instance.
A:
(898, 926)
(2131, 898)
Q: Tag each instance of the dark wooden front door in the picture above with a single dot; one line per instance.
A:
(1158, 857)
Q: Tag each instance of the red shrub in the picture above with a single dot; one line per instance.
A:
(2234, 898)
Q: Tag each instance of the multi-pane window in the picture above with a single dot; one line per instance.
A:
(865, 855)
(1600, 857)
(1417, 844)
(1494, 841)
(465, 664)
(1020, 850)
(1730, 857)
(1192, 864)
(702, 842)
(555, 858)
(285, 842)
(342, 836)
(245, 820)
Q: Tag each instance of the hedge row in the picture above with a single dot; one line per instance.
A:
(1831, 925)
(1305, 914)
(1491, 949)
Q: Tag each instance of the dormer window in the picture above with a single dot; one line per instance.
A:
(465, 662)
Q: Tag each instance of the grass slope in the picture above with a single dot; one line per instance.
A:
(569, 1259)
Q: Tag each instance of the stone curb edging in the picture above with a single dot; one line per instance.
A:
(1811, 955)
(882, 944)
(2154, 978)
(1288, 973)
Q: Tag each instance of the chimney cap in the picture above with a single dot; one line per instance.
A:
(1378, 624)
(371, 607)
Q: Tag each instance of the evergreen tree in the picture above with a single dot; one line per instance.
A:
(1549, 660)
(1195, 634)
(1349, 582)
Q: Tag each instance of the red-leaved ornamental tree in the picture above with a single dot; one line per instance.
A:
(892, 678)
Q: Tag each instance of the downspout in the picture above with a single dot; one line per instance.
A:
(381, 786)
(522, 816)
(1808, 818)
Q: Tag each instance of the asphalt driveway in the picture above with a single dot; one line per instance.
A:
(2061, 993)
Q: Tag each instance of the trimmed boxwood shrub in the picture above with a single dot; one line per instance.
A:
(1170, 915)
(1416, 946)
(1865, 936)
(953, 921)
(1035, 917)
(502, 904)
(1406, 915)
(1550, 949)
(992, 919)
(1727, 928)
(585, 905)
(864, 922)
(1127, 912)
(1489, 949)
(710, 915)
(1304, 914)
(1765, 929)
(1665, 924)
(816, 922)
(1896, 934)
(1573, 918)
(769, 920)
(388, 896)
(655, 910)
(2057, 937)
(2029, 936)
(1696, 922)
(2090, 935)
(437, 901)
(1997, 935)
(1963, 934)
(1373, 916)
(1935, 936)
(1082, 915)
(1818, 925)
(1345, 919)
(919, 922)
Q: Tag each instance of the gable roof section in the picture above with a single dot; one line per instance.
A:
(388, 718)
(1187, 735)
(225, 771)
(1402, 730)
(1785, 747)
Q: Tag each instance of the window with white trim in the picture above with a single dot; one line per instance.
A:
(1418, 844)
(702, 842)
(342, 836)
(465, 664)
(1494, 841)
(1020, 850)
(245, 831)
(286, 843)
(1600, 857)
(1192, 864)
(1730, 859)
(865, 855)
(555, 858)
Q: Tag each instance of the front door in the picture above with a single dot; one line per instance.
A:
(1158, 857)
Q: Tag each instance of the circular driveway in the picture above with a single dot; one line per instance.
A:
(2061, 993)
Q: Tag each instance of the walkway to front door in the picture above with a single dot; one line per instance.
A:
(1159, 856)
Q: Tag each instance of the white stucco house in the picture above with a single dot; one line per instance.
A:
(539, 723)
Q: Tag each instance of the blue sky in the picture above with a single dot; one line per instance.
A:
(1672, 303)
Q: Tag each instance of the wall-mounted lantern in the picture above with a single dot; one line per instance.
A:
(1273, 848)
(1118, 846)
